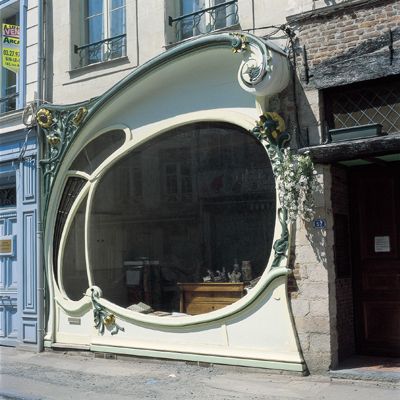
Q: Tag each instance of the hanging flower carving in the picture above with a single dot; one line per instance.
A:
(104, 319)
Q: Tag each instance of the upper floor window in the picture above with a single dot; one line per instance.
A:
(10, 54)
(103, 33)
(197, 17)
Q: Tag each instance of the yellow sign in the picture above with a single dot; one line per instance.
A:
(5, 246)
(10, 47)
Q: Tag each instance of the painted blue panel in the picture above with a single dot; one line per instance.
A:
(29, 331)
(29, 180)
(7, 169)
(13, 143)
(12, 270)
(29, 262)
(8, 319)
(3, 266)
(8, 264)
(2, 321)
(12, 321)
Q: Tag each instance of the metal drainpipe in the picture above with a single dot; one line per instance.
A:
(39, 227)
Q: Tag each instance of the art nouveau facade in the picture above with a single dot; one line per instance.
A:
(161, 181)
(21, 292)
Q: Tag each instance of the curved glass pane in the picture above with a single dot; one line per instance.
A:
(195, 205)
(71, 191)
(96, 151)
(74, 275)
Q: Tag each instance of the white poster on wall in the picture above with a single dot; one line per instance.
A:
(382, 244)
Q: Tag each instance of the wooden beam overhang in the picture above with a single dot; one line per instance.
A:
(354, 149)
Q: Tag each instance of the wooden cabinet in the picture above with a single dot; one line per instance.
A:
(200, 298)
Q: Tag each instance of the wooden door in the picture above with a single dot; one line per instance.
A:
(8, 278)
(375, 208)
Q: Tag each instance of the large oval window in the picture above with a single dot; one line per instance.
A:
(185, 222)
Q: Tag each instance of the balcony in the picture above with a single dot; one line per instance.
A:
(101, 51)
(204, 21)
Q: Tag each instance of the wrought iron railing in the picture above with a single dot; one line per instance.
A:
(8, 196)
(103, 50)
(206, 20)
(9, 101)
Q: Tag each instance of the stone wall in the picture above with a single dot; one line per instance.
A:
(335, 33)
(347, 43)
(312, 291)
(344, 43)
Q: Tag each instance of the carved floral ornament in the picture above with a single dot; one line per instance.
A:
(59, 125)
(102, 317)
(295, 174)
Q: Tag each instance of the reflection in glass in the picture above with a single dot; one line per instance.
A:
(96, 151)
(74, 276)
(71, 191)
(194, 201)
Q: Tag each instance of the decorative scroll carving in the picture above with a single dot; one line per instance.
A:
(263, 71)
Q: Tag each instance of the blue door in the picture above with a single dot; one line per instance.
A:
(8, 266)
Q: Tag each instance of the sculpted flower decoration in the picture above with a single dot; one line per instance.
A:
(53, 139)
(295, 174)
(103, 318)
(79, 116)
(239, 43)
(271, 123)
(44, 118)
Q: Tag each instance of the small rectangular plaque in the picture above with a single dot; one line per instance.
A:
(382, 244)
(6, 245)
(74, 321)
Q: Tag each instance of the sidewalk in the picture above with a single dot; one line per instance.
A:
(62, 376)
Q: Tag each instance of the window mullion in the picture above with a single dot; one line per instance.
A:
(106, 24)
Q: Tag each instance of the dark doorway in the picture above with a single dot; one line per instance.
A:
(375, 234)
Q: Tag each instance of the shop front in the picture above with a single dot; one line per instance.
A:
(164, 232)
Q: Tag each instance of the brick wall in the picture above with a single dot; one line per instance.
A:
(329, 35)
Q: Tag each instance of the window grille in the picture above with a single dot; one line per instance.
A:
(217, 15)
(376, 102)
(8, 196)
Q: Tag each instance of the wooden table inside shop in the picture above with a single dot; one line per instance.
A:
(200, 298)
